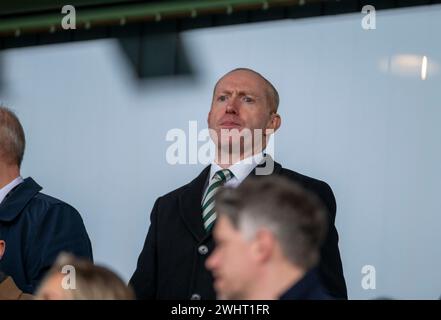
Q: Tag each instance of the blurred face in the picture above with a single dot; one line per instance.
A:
(51, 289)
(240, 101)
(232, 263)
(2, 248)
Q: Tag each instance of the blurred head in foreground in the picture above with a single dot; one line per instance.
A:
(268, 235)
(76, 279)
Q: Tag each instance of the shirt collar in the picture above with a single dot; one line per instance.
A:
(11, 185)
(240, 169)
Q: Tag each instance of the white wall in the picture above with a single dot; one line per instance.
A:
(351, 116)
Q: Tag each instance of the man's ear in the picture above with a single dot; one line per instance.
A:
(2, 248)
(265, 243)
(275, 122)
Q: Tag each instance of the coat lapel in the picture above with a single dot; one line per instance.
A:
(190, 205)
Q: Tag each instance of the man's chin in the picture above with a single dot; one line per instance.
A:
(220, 290)
(229, 296)
(222, 293)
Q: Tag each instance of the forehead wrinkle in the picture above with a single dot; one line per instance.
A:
(240, 92)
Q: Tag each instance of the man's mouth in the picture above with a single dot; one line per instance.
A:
(229, 124)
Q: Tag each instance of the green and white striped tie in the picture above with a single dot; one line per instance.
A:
(208, 213)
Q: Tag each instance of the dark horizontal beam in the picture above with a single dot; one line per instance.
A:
(131, 13)
(134, 20)
(28, 7)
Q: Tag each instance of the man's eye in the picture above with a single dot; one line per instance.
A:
(221, 98)
(248, 99)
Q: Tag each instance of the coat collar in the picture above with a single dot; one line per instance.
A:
(307, 285)
(17, 199)
(269, 163)
(191, 198)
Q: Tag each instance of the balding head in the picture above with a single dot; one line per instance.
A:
(12, 138)
(271, 92)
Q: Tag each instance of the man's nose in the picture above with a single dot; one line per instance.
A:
(233, 105)
(210, 263)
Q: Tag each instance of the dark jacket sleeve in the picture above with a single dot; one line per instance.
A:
(61, 229)
(144, 281)
(330, 267)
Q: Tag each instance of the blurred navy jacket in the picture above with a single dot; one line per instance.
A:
(308, 287)
(36, 228)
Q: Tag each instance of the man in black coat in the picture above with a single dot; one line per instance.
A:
(172, 262)
(36, 227)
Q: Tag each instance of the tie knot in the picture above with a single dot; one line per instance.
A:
(223, 175)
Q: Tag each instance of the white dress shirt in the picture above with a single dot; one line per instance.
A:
(240, 169)
(11, 185)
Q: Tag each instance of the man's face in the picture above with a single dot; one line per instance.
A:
(232, 263)
(2, 248)
(241, 101)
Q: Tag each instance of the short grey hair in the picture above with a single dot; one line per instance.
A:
(296, 217)
(12, 137)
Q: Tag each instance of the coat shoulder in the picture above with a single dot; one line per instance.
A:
(316, 186)
(196, 185)
(43, 203)
(43, 211)
(49, 200)
(305, 180)
(173, 195)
